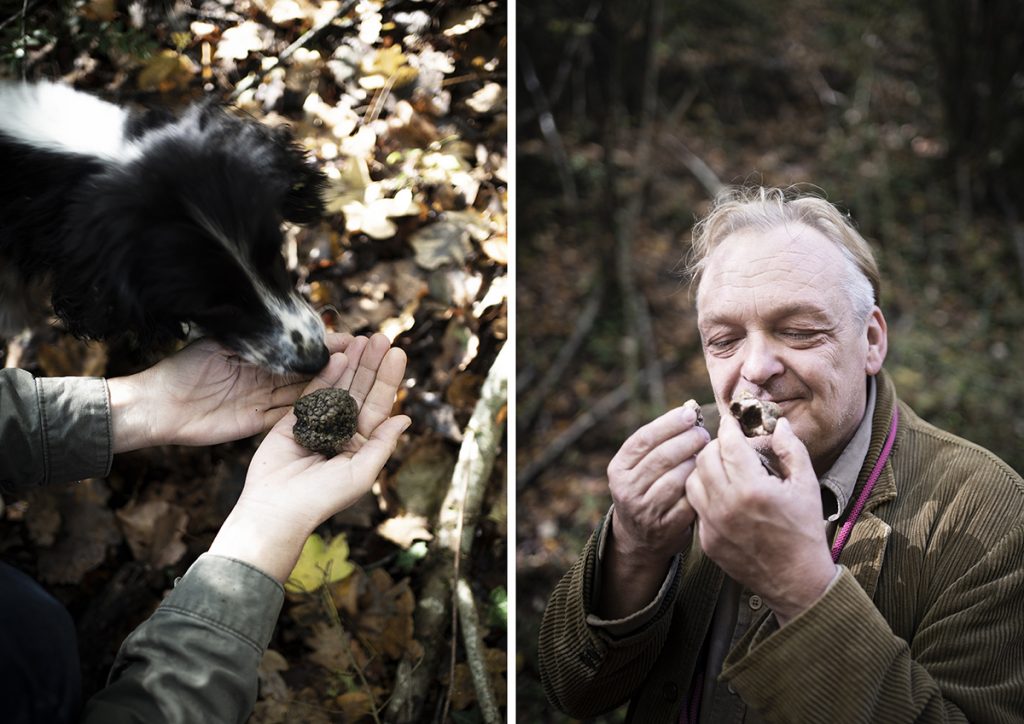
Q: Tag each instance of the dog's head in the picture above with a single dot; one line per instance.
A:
(188, 232)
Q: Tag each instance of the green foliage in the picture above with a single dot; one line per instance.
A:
(497, 612)
(64, 22)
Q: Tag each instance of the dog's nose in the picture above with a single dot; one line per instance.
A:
(312, 358)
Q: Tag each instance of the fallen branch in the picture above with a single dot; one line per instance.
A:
(474, 653)
(549, 129)
(700, 170)
(540, 393)
(455, 530)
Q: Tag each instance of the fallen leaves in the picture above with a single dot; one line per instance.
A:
(154, 531)
(319, 563)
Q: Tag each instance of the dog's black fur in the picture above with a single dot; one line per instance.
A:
(164, 224)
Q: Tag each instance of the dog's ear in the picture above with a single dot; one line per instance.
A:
(302, 202)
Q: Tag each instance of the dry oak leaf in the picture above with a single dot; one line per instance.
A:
(154, 531)
(236, 43)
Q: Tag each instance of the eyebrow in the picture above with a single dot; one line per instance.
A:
(787, 311)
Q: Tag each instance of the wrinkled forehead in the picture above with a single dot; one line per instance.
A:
(782, 265)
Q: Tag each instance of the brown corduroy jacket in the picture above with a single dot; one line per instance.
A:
(924, 624)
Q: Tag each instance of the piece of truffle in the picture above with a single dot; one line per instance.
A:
(695, 406)
(756, 417)
(325, 420)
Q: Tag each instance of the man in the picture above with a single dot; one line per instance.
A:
(856, 565)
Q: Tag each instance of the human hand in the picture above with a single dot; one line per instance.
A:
(203, 395)
(289, 490)
(652, 519)
(764, 532)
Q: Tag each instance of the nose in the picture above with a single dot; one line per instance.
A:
(311, 359)
(761, 360)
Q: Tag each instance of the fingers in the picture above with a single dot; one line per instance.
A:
(670, 453)
(739, 460)
(381, 397)
(365, 370)
(796, 463)
(338, 342)
(650, 436)
(354, 352)
(670, 488)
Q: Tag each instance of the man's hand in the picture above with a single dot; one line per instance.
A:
(289, 490)
(652, 519)
(205, 395)
(766, 533)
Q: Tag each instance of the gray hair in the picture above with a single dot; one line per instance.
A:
(763, 208)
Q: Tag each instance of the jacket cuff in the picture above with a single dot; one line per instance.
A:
(635, 622)
(75, 428)
(230, 594)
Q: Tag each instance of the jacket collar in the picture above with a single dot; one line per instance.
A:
(866, 546)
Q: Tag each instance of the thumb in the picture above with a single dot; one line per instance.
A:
(796, 463)
(370, 458)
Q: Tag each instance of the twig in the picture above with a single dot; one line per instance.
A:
(565, 67)
(638, 322)
(549, 130)
(533, 403)
(25, 7)
(325, 597)
(272, 63)
(456, 527)
(474, 653)
(700, 170)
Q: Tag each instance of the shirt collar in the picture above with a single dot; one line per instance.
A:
(838, 482)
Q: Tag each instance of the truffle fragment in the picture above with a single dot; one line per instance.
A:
(695, 406)
(325, 420)
(756, 417)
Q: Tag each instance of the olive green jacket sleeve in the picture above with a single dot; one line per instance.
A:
(195, 659)
(585, 669)
(52, 429)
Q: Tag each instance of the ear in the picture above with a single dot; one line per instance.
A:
(878, 341)
(302, 202)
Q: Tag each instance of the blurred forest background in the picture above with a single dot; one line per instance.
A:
(402, 104)
(910, 115)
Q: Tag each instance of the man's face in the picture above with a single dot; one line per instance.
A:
(776, 320)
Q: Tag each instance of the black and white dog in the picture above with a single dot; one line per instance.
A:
(150, 224)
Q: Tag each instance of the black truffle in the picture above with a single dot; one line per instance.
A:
(756, 417)
(325, 420)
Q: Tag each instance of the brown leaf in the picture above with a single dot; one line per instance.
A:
(68, 356)
(154, 531)
(89, 531)
(332, 647)
(42, 517)
(345, 593)
(355, 706)
(422, 479)
(386, 624)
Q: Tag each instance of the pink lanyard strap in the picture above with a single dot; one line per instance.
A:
(691, 705)
(844, 532)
